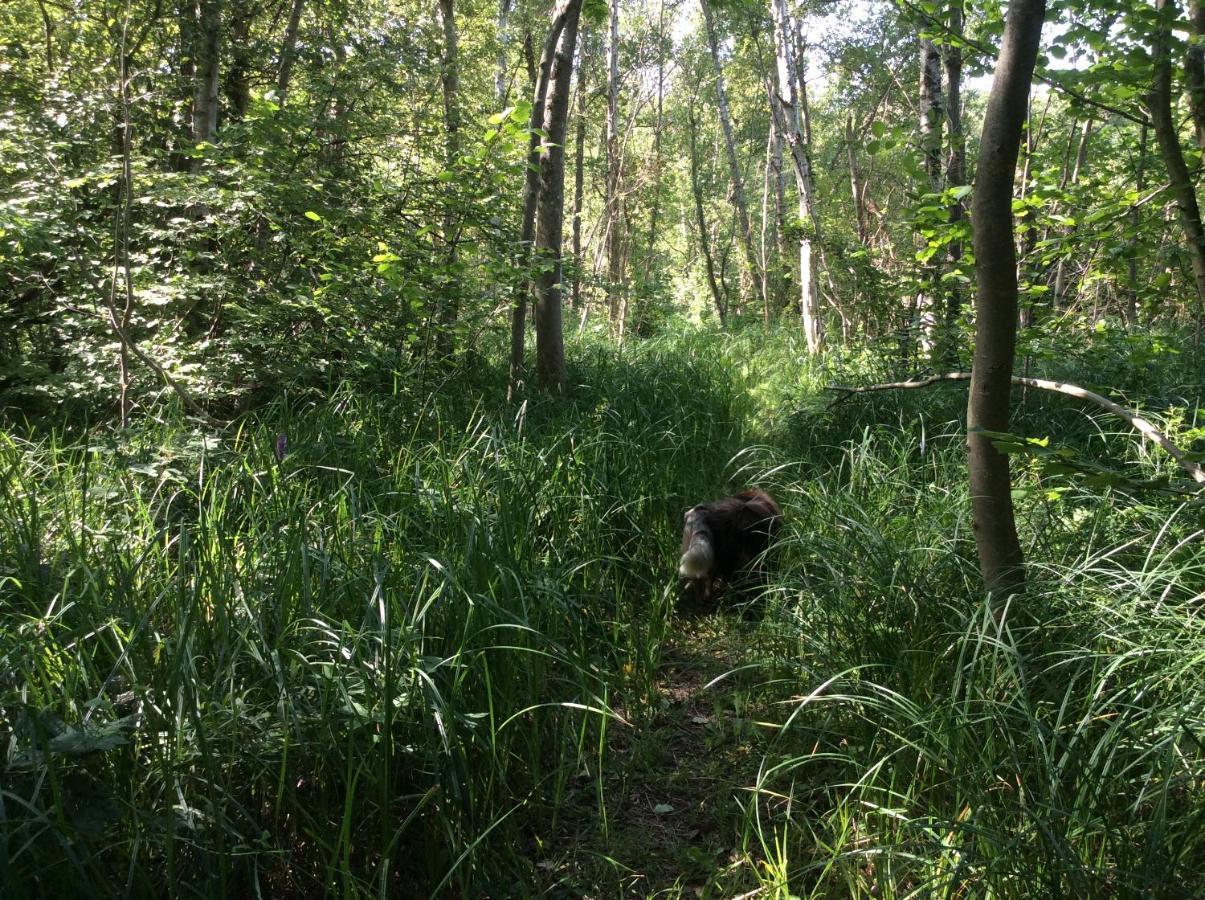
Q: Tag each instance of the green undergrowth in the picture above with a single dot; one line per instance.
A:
(433, 650)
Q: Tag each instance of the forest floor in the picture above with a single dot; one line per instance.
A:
(677, 779)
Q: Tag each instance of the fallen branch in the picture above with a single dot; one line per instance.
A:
(1057, 387)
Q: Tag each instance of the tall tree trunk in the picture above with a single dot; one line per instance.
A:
(780, 218)
(288, 50)
(550, 339)
(658, 125)
(1194, 69)
(932, 112)
(449, 76)
(993, 517)
(1162, 119)
(614, 228)
(500, 66)
(787, 117)
(696, 190)
(1059, 294)
(208, 70)
(579, 171)
(766, 218)
(238, 75)
(734, 167)
(956, 174)
(855, 180)
(1131, 311)
(531, 186)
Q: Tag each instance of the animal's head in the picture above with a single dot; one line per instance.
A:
(698, 554)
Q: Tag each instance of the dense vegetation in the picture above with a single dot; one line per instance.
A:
(307, 589)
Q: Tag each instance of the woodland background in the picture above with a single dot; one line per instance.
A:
(352, 398)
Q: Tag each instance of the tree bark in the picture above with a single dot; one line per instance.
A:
(614, 228)
(658, 125)
(288, 51)
(1194, 69)
(1162, 119)
(734, 167)
(579, 174)
(956, 175)
(500, 66)
(531, 189)
(855, 181)
(932, 112)
(208, 69)
(785, 106)
(993, 517)
(696, 190)
(550, 339)
(238, 75)
(450, 82)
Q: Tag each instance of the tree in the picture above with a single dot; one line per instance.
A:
(550, 339)
(785, 105)
(956, 174)
(450, 81)
(613, 212)
(740, 207)
(208, 71)
(993, 518)
(932, 114)
(696, 190)
(1159, 100)
(533, 172)
(288, 50)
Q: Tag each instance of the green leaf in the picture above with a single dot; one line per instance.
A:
(312, 216)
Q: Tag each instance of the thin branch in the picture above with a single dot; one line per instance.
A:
(1057, 387)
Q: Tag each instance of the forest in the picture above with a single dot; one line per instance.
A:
(358, 361)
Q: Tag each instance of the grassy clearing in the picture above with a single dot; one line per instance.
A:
(433, 649)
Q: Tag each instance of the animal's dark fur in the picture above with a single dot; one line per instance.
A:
(737, 530)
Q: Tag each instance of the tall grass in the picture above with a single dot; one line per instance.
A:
(379, 665)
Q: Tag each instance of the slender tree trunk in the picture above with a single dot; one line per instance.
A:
(932, 112)
(208, 70)
(766, 217)
(956, 175)
(1131, 312)
(1194, 69)
(449, 77)
(531, 187)
(855, 180)
(696, 190)
(579, 173)
(780, 218)
(1163, 120)
(47, 37)
(993, 517)
(614, 228)
(734, 167)
(500, 66)
(788, 118)
(186, 17)
(658, 125)
(288, 50)
(238, 75)
(550, 339)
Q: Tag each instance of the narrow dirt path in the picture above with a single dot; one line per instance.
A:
(676, 780)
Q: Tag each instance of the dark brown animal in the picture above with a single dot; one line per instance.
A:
(723, 538)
